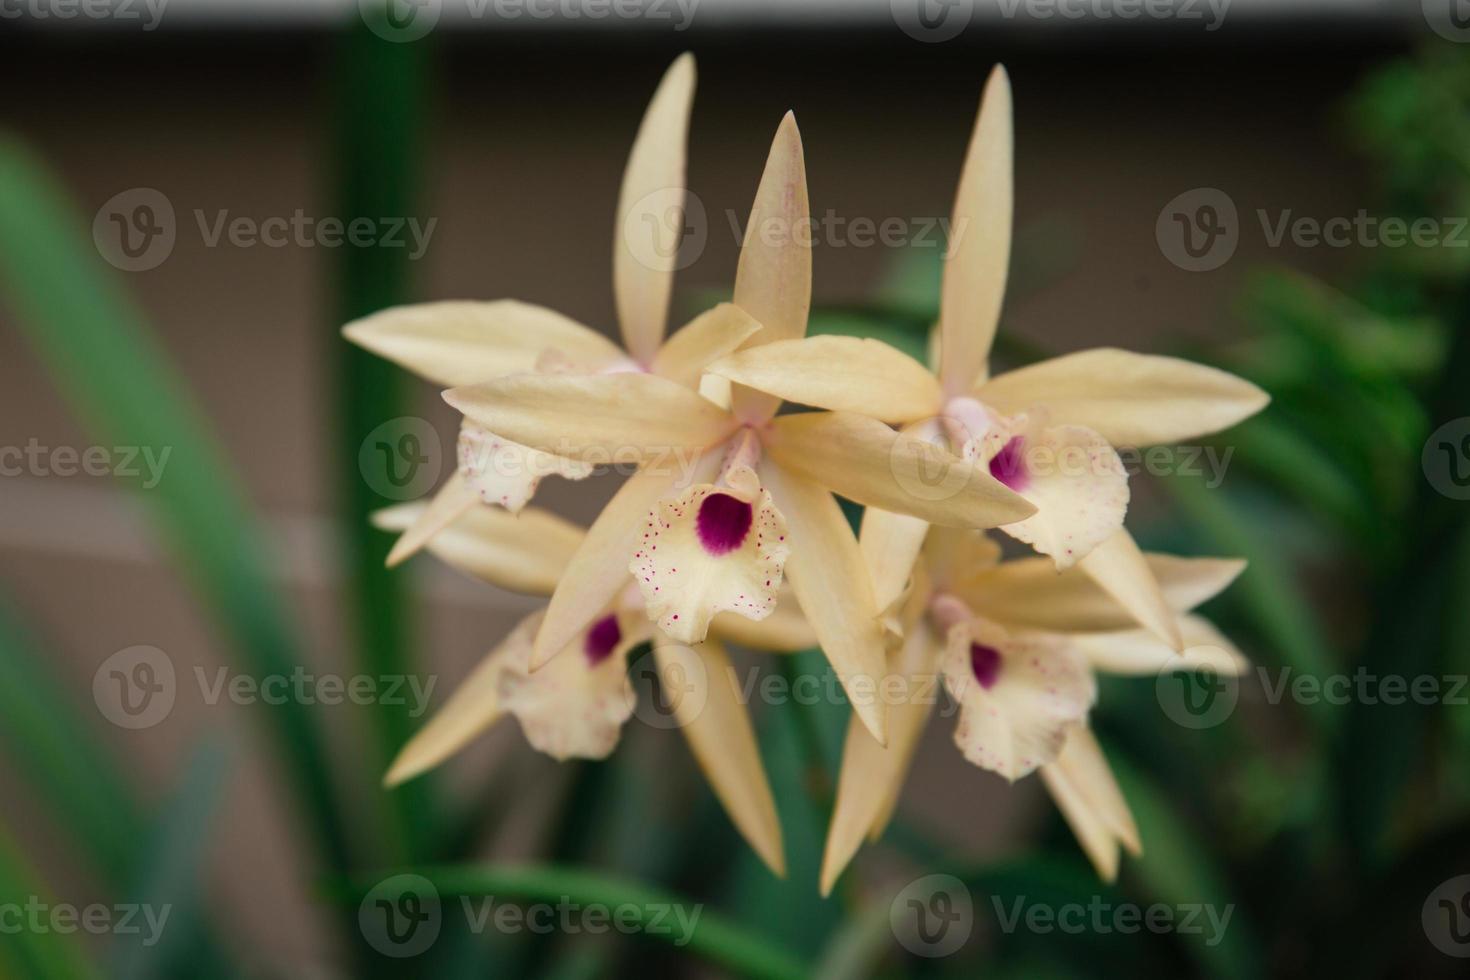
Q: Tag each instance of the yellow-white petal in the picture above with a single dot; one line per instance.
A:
(785, 630)
(473, 707)
(844, 374)
(651, 213)
(773, 281)
(952, 557)
(506, 474)
(1138, 652)
(598, 570)
(606, 418)
(452, 500)
(1121, 569)
(866, 461)
(890, 544)
(1087, 794)
(575, 706)
(1068, 472)
(1130, 399)
(1030, 592)
(462, 342)
(832, 584)
(979, 250)
(708, 337)
(872, 774)
(526, 552)
(711, 549)
(1019, 695)
(720, 736)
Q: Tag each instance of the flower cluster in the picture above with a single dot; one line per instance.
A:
(747, 543)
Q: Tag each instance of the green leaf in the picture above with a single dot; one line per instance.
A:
(119, 382)
(1268, 589)
(48, 740)
(655, 912)
(172, 860)
(35, 954)
(1178, 868)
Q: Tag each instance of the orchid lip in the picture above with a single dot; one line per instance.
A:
(723, 523)
(985, 664)
(602, 639)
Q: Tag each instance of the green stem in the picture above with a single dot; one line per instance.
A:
(381, 88)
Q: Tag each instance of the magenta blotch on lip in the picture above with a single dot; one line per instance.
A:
(723, 523)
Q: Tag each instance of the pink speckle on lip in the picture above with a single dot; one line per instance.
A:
(723, 523)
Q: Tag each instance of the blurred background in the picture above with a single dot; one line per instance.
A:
(182, 432)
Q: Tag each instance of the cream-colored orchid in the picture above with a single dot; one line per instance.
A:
(575, 707)
(759, 502)
(461, 342)
(1046, 431)
(1017, 644)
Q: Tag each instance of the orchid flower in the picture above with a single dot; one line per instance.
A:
(576, 706)
(461, 342)
(1047, 431)
(756, 502)
(1017, 646)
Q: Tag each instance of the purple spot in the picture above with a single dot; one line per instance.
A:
(985, 662)
(602, 639)
(723, 523)
(1008, 466)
